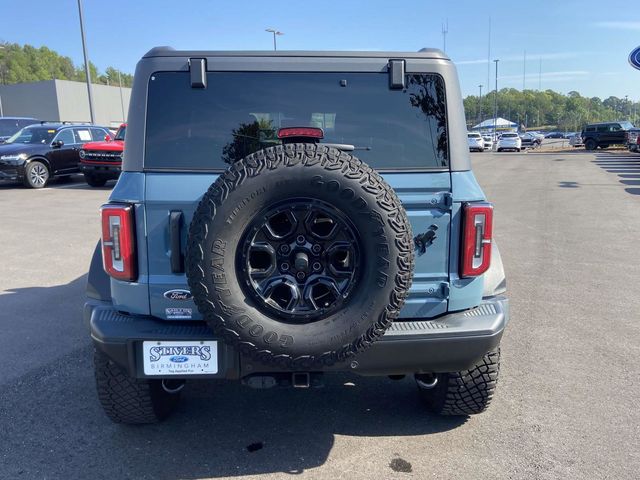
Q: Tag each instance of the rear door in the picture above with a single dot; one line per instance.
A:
(192, 134)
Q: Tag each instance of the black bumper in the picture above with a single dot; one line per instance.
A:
(110, 172)
(450, 343)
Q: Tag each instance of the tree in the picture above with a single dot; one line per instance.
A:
(25, 63)
(537, 109)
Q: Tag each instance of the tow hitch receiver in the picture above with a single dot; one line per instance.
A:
(283, 379)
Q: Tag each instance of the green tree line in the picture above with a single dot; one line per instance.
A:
(535, 109)
(25, 63)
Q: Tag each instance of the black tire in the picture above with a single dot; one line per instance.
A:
(36, 175)
(277, 176)
(590, 144)
(462, 393)
(129, 400)
(499, 149)
(518, 150)
(95, 181)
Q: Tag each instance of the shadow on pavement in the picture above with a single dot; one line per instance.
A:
(53, 427)
(626, 166)
(74, 182)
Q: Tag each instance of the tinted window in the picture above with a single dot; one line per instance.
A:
(98, 134)
(120, 133)
(66, 136)
(603, 128)
(591, 129)
(33, 135)
(8, 127)
(240, 112)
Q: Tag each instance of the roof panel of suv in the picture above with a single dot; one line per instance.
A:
(432, 53)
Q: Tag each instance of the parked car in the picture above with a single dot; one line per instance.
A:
(10, 125)
(576, 140)
(529, 140)
(487, 142)
(603, 134)
(633, 140)
(245, 241)
(475, 141)
(102, 161)
(42, 151)
(509, 141)
(554, 135)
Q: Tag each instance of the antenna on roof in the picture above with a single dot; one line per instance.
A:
(445, 30)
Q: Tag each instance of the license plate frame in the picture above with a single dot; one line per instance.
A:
(180, 357)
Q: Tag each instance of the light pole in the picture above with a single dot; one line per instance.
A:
(1, 72)
(626, 102)
(495, 102)
(275, 32)
(121, 101)
(480, 105)
(86, 62)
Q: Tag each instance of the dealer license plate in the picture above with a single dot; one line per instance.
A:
(180, 358)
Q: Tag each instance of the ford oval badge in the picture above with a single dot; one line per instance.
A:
(178, 294)
(179, 359)
(634, 58)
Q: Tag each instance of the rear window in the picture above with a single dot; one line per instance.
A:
(509, 135)
(473, 135)
(240, 113)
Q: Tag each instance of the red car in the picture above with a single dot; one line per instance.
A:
(102, 161)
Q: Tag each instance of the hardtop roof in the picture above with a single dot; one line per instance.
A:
(425, 53)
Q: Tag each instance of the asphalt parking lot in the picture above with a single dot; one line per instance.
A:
(567, 403)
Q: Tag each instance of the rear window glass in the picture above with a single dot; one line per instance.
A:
(240, 113)
(509, 135)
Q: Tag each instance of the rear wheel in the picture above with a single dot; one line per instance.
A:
(590, 144)
(461, 393)
(36, 175)
(129, 400)
(95, 181)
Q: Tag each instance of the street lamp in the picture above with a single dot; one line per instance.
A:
(480, 105)
(275, 32)
(495, 102)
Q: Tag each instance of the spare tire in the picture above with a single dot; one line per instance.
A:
(300, 256)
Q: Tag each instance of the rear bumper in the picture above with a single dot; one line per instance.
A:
(452, 342)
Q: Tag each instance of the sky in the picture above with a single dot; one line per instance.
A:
(572, 48)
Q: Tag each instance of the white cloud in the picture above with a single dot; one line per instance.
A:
(617, 25)
(530, 57)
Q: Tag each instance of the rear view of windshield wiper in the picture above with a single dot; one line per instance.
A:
(345, 147)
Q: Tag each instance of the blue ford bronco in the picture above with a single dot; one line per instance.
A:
(284, 215)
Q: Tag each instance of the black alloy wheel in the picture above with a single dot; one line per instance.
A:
(300, 260)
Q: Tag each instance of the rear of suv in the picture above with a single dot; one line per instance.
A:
(284, 215)
(604, 134)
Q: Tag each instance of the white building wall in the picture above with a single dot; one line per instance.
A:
(64, 100)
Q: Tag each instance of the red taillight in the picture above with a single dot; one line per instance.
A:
(477, 231)
(118, 241)
(310, 132)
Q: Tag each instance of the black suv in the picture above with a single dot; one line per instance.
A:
(39, 152)
(10, 125)
(603, 134)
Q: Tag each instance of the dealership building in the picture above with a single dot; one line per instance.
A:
(64, 100)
